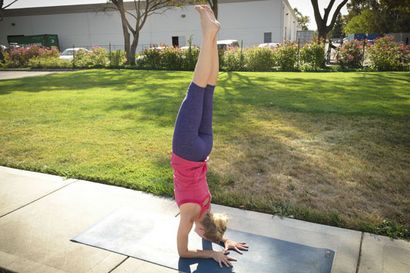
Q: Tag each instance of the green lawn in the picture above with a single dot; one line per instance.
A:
(332, 148)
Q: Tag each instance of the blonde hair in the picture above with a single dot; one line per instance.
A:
(214, 226)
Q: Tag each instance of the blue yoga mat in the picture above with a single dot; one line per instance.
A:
(152, 237)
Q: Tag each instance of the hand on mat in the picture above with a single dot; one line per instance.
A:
(222, 257)
(229, 244)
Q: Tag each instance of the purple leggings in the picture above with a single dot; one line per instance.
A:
(192, 138)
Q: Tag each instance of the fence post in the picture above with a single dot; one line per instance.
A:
(109, 52)
(73, 56)
(364, 47)
(298, 52)
(241, 57)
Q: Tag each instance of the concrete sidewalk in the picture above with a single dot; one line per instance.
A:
(8, 75)
(40, 213)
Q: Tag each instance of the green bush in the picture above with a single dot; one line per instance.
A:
(233, 59)
(117, 58)
(386, 54)
(189, 58)
(168, 58)
(312, 56)
(286, 56)
(259, 59)
(405, 56)
(171, 58)
(49, 62)
(150, 59)
(350, 54)
(97, 57)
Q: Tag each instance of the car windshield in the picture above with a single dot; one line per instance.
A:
(68, 52)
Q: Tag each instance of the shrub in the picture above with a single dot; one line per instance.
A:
(312, 56)
(350, 54)
(150, 59)
(286, 56)
(97, 57)
(49, 62)
(233, 59)
(386, 54)
(117, 58)
(189, 58)
(20, 56)
(259, 59)
(82, 58)
(171, 58)
(405, 55)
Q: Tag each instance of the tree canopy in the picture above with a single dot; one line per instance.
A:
(303, 21)
(378, 16)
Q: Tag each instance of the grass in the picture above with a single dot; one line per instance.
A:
(331, 148)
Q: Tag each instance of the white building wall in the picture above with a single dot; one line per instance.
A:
(290, 25)
(245, 21)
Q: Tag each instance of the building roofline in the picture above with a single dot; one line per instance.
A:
(290, 7)
(98, 7)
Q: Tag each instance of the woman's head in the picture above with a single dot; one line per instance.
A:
(214, 226)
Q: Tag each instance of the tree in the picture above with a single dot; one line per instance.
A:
(303, 21)
(3, 7)
(322, 27)
(337, 31)
(134, 20)
(378, 16)
(214, 6)
(364, 22)
(355, 7)
(395, 16)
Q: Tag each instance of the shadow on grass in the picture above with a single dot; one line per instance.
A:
(248, 179)
(246, 183)
(117, 80)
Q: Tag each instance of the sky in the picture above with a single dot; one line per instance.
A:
(304, 6)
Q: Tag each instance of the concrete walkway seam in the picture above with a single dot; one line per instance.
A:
(38, 199)
(360, 253)
(115, 267)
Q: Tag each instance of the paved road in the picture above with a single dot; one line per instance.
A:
(6, 75)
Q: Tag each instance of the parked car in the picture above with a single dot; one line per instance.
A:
(187, 47)
(226, 44)
(269, 45)
(68, 53)
(159, 48)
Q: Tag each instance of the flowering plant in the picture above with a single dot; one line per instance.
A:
(350, 54)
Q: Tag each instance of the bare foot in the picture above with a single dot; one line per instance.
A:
(208, 22)
(211, 14)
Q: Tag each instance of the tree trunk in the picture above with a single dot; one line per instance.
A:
(322, 33)
(127, 47)
(133, 49)
(214, 7)
(215, 10)
(126, 34)
(322, 27)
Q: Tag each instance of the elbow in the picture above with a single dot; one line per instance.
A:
(183, 253)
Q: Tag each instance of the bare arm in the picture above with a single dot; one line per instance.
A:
(185, 225)
(187, 216)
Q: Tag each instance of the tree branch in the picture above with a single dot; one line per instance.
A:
(318, 17)
(9, 4)
(337, 11)
(327, 10)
